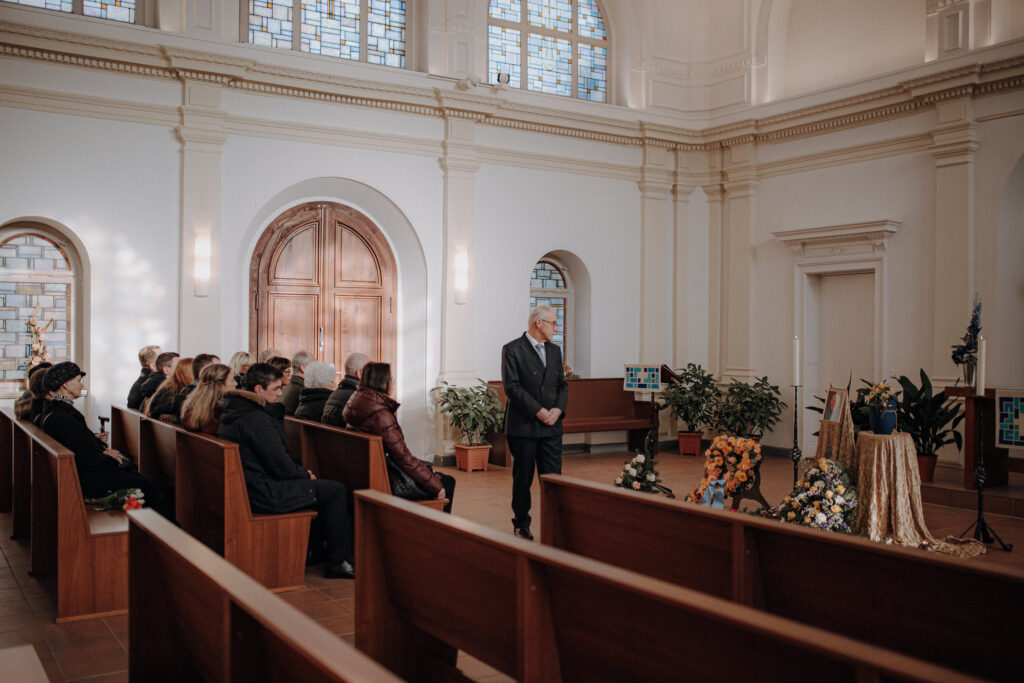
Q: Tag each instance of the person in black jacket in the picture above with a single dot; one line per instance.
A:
(534, 381)
(100, 469)
(165, 363)
(147, 358)
(275, 483)
(319, 382)
(339, 397)
(293, 389)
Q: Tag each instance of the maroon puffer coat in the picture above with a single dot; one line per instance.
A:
(373, 412)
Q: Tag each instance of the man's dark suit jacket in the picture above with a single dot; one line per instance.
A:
(530, 386)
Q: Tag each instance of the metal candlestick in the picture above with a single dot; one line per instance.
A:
(982, 531)
(795, 454)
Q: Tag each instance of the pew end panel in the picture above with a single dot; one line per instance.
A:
(21, 479)
(125, 427)
(6, 444)
(295, 434)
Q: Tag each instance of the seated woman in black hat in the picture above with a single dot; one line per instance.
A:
(100, 469)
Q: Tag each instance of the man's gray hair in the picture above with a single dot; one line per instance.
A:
(355, 362)
(539, 311)
(301, 360)
(320, 375)
(267, 354)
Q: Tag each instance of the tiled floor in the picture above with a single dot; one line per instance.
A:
(96, 650)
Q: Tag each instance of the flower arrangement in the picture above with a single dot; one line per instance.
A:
(730, 463)
(879, 395)
(122, 499)
(639, 474)
(37, 350)
(569, 374)
(965, 352)
(823, 499)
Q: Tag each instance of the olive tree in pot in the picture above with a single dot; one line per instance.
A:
(750, 410)
(930, 419)
(694, 402)
(474, 411)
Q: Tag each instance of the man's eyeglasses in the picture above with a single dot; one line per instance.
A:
(549, 322)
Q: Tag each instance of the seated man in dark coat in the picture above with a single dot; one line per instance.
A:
(99, 468)
(147, 358)
(276, 484)
(165, 363)
(340, 396)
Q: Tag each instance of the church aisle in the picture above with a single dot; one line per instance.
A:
(96, 650)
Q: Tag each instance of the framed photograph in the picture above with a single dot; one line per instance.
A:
(835, 402)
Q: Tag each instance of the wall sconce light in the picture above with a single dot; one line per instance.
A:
(461, 276)
(504, 78)
(202, 270)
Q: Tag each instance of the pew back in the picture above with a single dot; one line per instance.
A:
(21, 479)
(902, 599)
(125, 427)
(196, 616)
(438, 584)
(6, 444)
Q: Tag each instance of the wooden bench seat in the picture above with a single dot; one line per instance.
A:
(196, 617)
(594, 405)
(87, 548)
(125, 432)
(355, 459)
(960, 615)
(436, 584)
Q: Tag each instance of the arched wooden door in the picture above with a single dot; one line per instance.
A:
(323, 279)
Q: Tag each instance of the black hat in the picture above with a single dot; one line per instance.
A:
(61, 373)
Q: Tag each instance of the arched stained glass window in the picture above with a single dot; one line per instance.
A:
(549, 285)
(372, 31)
(35, 287)
(115, 10)
(566, 47)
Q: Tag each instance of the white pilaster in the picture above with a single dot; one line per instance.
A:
(738, 224)
(657, 290)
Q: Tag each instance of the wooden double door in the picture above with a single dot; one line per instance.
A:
(323, 279)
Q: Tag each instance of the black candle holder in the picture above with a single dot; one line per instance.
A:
(982, 531)
(795, 453)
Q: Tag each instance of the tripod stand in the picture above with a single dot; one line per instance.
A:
(982, 531)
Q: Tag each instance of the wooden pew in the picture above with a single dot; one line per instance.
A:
(212, 504)
(435, 584)
(355, 459)
(957, 614)
(21, 479)
(594, 405)
(196, 617)
(6, 457)
(125, 425)
(88, 548)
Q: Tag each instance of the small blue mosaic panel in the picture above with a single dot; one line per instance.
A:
(642, 378)
(1009, 425)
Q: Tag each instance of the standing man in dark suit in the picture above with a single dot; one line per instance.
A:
(531, 370)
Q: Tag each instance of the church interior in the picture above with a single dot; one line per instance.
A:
(811, 193)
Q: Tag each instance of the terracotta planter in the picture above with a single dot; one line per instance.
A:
(469, 458)
(689, 443)
(926, 464)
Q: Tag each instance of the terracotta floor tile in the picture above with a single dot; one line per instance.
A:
(17, 622)
(90, 656)
(117, 624)
(304, 597)
(72, 631)
(339, 589)
(339, 625)
(116, 677)
(15, 607)
(323, 610)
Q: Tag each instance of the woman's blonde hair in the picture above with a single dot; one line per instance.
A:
(176, 381)
(240, 362)
(200, 408)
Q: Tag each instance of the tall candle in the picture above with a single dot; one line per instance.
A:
(980, 380)
(796, 361)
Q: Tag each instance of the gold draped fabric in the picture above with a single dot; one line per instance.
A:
(889, 496)
(838, 436)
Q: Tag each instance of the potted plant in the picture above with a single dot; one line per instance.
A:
(930, 419)
(882, 407)
(749, 410)
(694, 402)
(474, 411)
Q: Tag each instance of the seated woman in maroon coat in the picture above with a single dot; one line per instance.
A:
(372, 411)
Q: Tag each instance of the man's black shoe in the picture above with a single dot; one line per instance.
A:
(345, 570)
(524, 533)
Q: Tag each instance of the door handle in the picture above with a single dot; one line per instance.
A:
(321, 339)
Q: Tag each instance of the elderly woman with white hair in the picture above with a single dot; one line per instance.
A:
(321, 379)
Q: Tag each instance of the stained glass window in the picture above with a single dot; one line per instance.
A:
(372, 31)
(548, 286)
(566, 51)
(117, 10)
(35, 283)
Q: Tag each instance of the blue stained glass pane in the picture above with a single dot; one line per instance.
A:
(503, 55)
(385, 32)
(549, 65)
(590, 23)
(115, 10)
(592, 79)
(55, 5)
(270, 23)
(550, 14)
(330, 27)
(506, 10)
(547, 276)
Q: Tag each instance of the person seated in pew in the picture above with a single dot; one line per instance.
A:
(198, 363)
(319, 383)
(172, 392)
(285, 366)
(165, 363)
(337, 400)
(277, 484)
(147, 358)
(101, 470)
(372, 410)
(293, 389)
(30, 404)
(201, 410)
(240, 363)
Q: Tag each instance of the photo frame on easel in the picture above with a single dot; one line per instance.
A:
(835, 403)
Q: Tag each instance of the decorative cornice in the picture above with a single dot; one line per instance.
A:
(837, 238)
(45, 55)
